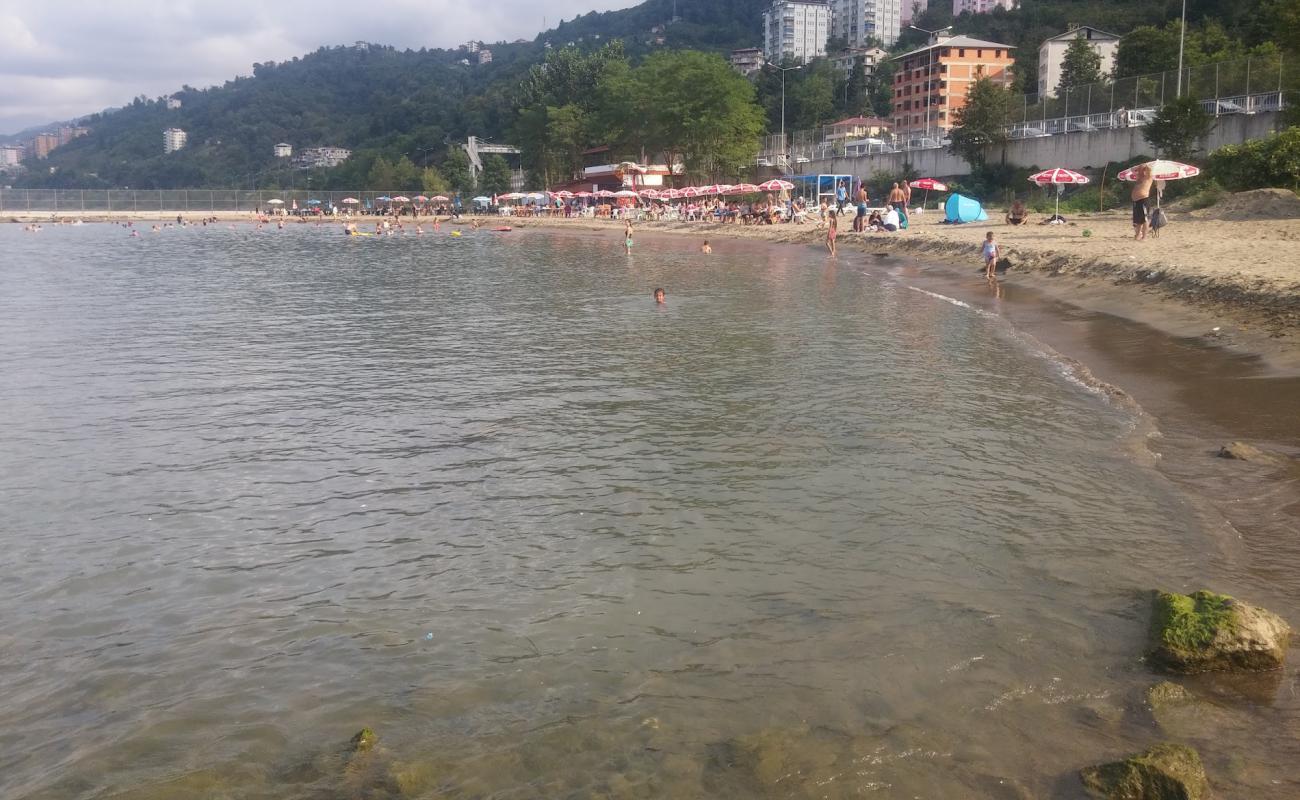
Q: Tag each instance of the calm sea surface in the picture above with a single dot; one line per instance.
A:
(804, 532)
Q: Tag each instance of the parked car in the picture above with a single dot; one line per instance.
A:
(1223, 107)
(1027, 132)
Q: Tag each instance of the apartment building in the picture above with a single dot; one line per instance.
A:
(796, 30)
(960, 7)
(174, 139)
(860, 22)
(1051, 54)
(931, 83)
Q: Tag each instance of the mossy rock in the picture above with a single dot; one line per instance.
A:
(1207, 632)
(365, 740)
(1168, 695)
(1165, 772)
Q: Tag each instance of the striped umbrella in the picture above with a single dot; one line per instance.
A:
(776, 185)
(1162, 170)
(1058, 176)
(692, 191)
(744, 188)
(929, 185)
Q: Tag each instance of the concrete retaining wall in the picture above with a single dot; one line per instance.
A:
(1074, 150)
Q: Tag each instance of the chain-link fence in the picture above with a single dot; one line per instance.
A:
(1245, 86)
(204, 201)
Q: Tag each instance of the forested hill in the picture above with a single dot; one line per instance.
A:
(372, 98)
(413, 106)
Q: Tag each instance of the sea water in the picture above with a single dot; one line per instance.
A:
(802, 531)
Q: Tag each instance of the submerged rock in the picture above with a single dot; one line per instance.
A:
(1166, 695)
(1240, 451)
(365, 740)
(1207, 632)
(1165, 772)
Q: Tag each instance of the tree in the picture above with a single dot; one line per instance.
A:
(432, 181)
(983, 122)
(1146, 50)
(1177, 127)
(455, 168)
(382, 176)
(700, 111)
(496, 175)
(1080, 66)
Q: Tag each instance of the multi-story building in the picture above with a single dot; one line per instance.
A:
(43, 144)
(912, 9)
(321, 157)
(982, 6)
(870, 57)
(1051, 53)
(796, 30)
(174, 103)
(11, 155)
(931, 83)
(174, 139)
(69, 132)
(283, 150)
(862, 22)
(747, 60)
(485, 56)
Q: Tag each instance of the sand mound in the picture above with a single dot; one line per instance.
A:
(1257, 204)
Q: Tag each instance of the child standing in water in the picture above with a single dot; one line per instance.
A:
(991, 252)
(832, 228)
(627, 238)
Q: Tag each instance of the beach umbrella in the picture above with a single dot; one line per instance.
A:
(383, 198)
(653, 194)
(743, 188)
(692, 191)
(419, 198)
(929, 185)
(350, 201)
(512, 196)
(440, 198)
(1058, 176)
(1162, 170)
(313, 202)
(604, 193)
(625, 193)
(401, 199)
(275, 202)
(582, 194)
(775, 185)
(482, 199)
(564, 194)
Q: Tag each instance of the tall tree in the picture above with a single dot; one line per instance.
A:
(496, 175)
(699, 111)
(1178, 127)
(1080, 66)
(455, 168)
(1146, 50)
(983, 122)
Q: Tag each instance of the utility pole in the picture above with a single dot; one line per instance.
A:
(785, 155)
(1182, 34)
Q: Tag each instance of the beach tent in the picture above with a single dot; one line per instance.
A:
(961, 208)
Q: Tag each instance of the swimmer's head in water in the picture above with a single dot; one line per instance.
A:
(659, 295)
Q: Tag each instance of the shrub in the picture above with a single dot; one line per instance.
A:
(1209, 194)
(1259, 163)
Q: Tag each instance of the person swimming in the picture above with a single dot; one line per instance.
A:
(706, 248)
(660, 297)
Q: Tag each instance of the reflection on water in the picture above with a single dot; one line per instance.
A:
(803, 532)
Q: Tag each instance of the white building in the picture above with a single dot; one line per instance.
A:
(485, 56)
(982, 6)
(173, 103)
(861, 21)
(11, 155)
(283, 150)
(174, 139)
(796, 30)
(846, 60)
(747, 60)
(1051, 54)
(322, 157)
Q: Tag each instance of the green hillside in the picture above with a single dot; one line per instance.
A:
(411, 107)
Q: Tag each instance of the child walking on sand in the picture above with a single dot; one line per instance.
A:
(991, 254)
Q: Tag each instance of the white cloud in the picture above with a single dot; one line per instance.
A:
(66, 58)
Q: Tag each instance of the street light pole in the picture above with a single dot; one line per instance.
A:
(1182, 34)
(929, 72)
(785, 155)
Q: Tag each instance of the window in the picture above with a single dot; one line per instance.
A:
(961, 53)
(947, 51)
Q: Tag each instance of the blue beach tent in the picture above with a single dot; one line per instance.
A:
(961, 208)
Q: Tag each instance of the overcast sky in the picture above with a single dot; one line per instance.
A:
(65, 58)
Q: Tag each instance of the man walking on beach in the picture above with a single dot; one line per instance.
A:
(1140, 196)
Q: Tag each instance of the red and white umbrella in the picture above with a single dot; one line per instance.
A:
(652, 194)
(692, 191)
(604, 193)
(582, 194)
(564, 194)
(419, 198)
(670, 194)
(1058, 176)
(1162, 170)
(929, 185)
(625, 193)
(351, 201)
(438, 198)
(776, 185)
(401, 199)
(744, 188)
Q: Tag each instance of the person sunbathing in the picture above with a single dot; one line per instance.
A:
(1017, 214)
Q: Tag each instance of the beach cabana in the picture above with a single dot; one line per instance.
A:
(961, 209)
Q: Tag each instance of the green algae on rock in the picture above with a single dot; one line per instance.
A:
(1207, 632)
(1165, 772)
(364, 740)
(1166, 694)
